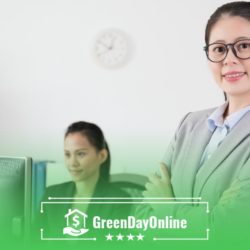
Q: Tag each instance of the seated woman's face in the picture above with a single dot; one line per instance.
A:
(81, 158)
(232, 74)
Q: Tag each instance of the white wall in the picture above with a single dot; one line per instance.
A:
(49, 79)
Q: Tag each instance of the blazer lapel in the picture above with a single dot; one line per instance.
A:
(69, 192)
(232, 140)
(196, 147)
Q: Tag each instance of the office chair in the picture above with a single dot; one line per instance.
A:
(133, 184)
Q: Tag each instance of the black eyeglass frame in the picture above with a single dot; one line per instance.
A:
(231, 45)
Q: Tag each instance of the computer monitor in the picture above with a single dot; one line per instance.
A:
(15, 197)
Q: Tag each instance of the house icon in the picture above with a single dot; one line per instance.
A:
(76, 223)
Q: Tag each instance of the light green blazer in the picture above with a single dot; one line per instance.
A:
(223, 180)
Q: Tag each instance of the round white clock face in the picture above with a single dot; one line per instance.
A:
(112, 48)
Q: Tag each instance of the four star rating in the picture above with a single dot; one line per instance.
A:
(124, 237)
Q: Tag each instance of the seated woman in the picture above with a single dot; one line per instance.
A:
(87, 158)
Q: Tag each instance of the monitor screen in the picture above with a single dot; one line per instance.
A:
(15, 196)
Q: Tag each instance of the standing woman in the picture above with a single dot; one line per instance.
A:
(87, 159)
(209, 156)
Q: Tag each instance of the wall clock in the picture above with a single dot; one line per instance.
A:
(112, 48)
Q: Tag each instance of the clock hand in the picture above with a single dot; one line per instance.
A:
(105, 45)
(112, 42)
(104, 52)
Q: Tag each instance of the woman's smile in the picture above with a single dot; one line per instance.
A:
(233, 76)
(76, 171)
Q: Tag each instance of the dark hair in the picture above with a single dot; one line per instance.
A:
(241, 9)
(96, 138)
(225, 96)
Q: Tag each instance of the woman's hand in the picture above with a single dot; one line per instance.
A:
(159, 186)
(230, 194)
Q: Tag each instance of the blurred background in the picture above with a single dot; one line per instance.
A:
(49, 77)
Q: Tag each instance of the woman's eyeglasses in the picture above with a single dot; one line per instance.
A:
(217, 52)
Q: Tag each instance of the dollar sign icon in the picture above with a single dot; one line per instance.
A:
(76, 221)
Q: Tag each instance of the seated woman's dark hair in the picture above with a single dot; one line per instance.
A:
(96, 138)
